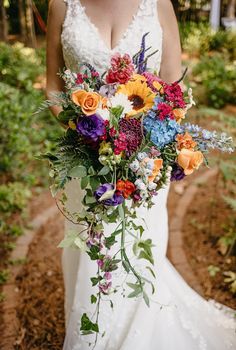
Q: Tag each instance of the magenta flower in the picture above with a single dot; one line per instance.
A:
(174, 95)
(164, 111)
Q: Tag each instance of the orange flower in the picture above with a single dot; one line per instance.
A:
(125, 187)
(189, 160)
(158, 163)
(88, 101)
(179, 114)
(185, 141)
(158, 86)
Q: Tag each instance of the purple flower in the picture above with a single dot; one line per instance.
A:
(116, 198)
(104, 287)
(108, 90)
(91, 127)
(107, 276)
(177, 173)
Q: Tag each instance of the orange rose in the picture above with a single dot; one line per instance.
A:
(185, 141)
(189, 160)
(88, 101)
(179, 114)
(158, 163)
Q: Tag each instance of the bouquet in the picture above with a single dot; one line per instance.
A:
(125, 140)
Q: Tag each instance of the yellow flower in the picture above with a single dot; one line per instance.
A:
(138, 77)
(72, 125)
(139, 94)
(105, 148)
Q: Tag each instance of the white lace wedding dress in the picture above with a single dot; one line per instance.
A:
(178, 318)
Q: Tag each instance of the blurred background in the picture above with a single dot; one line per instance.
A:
(208, 37)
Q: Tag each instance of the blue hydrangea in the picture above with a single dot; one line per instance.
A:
(161, 132)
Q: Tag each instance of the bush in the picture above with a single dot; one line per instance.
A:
(217, 77)
(199, 39)
(19, 65)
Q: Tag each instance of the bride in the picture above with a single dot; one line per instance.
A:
(178, 318)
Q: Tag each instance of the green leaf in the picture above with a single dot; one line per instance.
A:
(90, 199)
(78, 171)
(104, 171)
(84, 182)
(110, 241)
(95, 280)
(94, 252)
(68, 241)
(151, 270)
(146, 299)
(144, 255)
(94, 183)
(93, 299)
(87, 325)
(65, 116)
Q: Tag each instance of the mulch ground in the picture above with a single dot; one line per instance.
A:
(207, 220)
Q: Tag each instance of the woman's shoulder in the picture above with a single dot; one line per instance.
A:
(165, 11)
(57, 10)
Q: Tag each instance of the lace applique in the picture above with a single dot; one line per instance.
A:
(78, 31)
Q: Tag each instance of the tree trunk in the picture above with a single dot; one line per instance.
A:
(22, 19)
(3, 22)
(231, 9)
(30, 24)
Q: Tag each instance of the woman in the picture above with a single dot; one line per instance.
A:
(91, 31)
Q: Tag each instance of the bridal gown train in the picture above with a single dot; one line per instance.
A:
(178, 318)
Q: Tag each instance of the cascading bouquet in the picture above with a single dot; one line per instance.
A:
(125, 141)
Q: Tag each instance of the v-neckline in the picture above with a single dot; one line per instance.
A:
(98, 33)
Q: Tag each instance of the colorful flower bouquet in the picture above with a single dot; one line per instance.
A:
(125, 140)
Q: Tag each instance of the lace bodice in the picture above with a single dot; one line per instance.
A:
(82, 42)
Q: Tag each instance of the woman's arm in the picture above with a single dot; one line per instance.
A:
(171, 66)
(55, 61)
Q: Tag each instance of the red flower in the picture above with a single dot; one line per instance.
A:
(164, 111)
(120, 143)
(121, 69)
(125, 187)
(174, 94)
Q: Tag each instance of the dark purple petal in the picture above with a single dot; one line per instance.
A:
(177, 173)
(91, 127)
(116, 199)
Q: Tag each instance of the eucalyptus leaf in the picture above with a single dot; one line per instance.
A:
(78, 171)
(104, 171)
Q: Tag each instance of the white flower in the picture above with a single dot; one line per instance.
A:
(104, 113)
(121, 100)
(143, 194)
(152, 186)
(140, 185)
(147, 172)
(107, 195)
(141, 156)
(134, 166)
(191, 100)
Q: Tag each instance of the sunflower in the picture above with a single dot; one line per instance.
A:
(139, 94)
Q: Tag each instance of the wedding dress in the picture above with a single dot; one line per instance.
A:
(178, 318)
